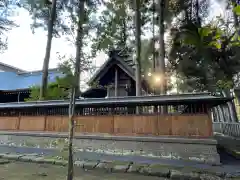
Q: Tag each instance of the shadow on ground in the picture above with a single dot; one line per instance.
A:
(227, 144)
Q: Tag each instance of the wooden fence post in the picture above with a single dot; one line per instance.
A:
(18, 121)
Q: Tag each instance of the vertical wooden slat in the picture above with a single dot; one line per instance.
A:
(57, 123)
(18, 122)
(164, 125)
(210, 125)
(8, 123)
(45, 123)
(32, 123)
(197, 125)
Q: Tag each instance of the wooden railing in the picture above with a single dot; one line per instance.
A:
(230, 129)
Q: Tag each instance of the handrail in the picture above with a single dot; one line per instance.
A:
(230, 129)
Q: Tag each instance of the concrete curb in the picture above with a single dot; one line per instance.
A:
(174, 173)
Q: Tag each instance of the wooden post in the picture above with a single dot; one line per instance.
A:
(45, 122)
(18, 98)
(18, 121)
(108, 91)
(116, 82)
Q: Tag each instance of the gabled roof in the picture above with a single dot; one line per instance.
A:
(113, 59)
(24, 80)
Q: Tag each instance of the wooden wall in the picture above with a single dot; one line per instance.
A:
(171, 125)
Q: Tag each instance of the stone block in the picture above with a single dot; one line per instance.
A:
(28, 158)
(49, 160)
(61, 162)
(79, 163)
(46, 160)
(4, 161)
(3, 154)
(135, 168)
(90, 164)
(178, 175)
(144, 170)
(38, 160)
(158, 170)
(105, 166)
(12, 156)
(209, 177)
(120, 168)
(32, 154)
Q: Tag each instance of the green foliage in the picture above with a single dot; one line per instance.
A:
(40, 11)
(55, 91)
(115, 28)
(206, 56)
(224, 84)
(236, 9)
(59, 89)
(5, 23)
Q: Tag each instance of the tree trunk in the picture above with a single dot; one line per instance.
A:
(123, 41)
(71, 134)
(76, 86)
(79, 45)
(162, 47)
(138, 48)
(43, 89)
(153, 35)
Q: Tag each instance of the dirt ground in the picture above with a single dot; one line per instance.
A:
(31, 171)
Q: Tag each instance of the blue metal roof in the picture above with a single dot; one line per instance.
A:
(14, 81)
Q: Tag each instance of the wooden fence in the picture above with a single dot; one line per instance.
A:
(170, 125)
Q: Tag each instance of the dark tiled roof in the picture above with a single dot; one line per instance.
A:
(122, 61)
(114, 59)
(141, 100)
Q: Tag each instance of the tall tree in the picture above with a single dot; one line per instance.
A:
(114, 27)
(161, 64)
(43, 89)
(138, 47)
(5, 23)
(75, 90)
(153, 37)
(84, 26)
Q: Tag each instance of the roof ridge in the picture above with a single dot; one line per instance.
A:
(12, 67)
(38, 71)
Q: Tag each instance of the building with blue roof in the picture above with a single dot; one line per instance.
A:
(116, 77)
(15, 82)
